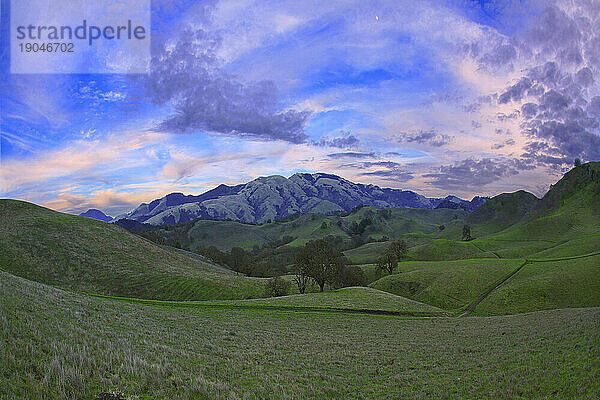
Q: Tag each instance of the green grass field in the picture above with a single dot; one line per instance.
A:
(352, 298)
(83, 254)
(450, 285)
(56, 344)
(547, 285)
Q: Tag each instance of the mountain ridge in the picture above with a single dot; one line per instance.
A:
(275, 197)
(96, 214)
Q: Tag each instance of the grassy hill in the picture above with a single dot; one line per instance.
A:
(570, 210)
(516, 225)
(547, 285)
(58, 344)
(351, 298)
(367, 222)
(83, 254)
(450, 285)
(497, 214)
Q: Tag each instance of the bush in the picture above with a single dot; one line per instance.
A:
(277, 287)
(351, 275)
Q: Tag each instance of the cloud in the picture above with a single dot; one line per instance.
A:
(351, 154)
(343, 142)
(187, 76)
(474, 173)
(388, 170)
(555, 96)
(431, 137)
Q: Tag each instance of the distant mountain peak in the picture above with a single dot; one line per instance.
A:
(96, 214)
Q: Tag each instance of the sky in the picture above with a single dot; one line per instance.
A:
(440, 97)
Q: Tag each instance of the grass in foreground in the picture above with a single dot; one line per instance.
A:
(55, 344)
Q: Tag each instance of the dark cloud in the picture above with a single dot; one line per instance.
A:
(352, 154)
(391, 171)
(516, 91)
(473, 173)
(431, 137)
(508, 142)
(343, 142)
(560, 111)
(187, 76)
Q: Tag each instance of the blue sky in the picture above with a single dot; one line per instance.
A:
(462, 97)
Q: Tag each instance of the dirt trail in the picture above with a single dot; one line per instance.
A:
(486, 251)
(472, 306)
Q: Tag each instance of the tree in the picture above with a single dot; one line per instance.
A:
(320, 262)
(394, 253)
(277, 287)
(577, 162)
(387, 262)
(466, 234)
(301, 277)
(399, 249)
(351, 275)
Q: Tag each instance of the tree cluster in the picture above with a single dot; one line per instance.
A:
(319, 262)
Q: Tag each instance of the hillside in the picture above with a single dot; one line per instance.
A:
(66, 345)
(515, 225)
(83, 254)
(275, 197)
(367, 224)
(350, 298)
(570, 210)
(497, 214)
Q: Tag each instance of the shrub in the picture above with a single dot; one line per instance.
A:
(277, 287)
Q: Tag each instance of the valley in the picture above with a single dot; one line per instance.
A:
(151, 313)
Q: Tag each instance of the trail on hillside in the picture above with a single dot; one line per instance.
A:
(472, 306)
(486, 251)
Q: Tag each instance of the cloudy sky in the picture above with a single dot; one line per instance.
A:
(463, 97)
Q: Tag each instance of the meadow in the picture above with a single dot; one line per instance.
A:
(61, 345)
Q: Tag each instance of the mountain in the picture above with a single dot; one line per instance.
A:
(96, 214)
(275, 197)
(501, 211)
(454, 203)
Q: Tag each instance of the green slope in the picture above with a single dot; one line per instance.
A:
(58, 345)
(351, 298)
(547, 285)
(389, 223)
(497, 214)
(82, 254)
(570, 210)
(450, 285)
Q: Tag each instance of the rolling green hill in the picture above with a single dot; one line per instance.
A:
(497, 214)
(517, 225)
(57, 344)
(547, 285)
(450, 285)
(82, 254)
(367, 222)
(351, 298)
